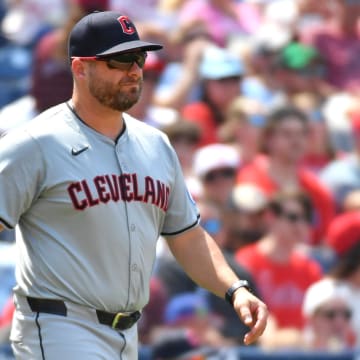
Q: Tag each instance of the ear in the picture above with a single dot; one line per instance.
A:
(78, 68)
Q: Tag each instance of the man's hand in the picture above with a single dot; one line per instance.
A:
(252, 311)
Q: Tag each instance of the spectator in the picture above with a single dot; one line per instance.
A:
(244, 221)
(327, 313)
(189, 329)
(281, 271)
(221, 73)
(337, 39)
(191, 311)
(179, 82)
(215, 166)
(342, 175)
(242, 127)
(184, 137)
(320, 151)
(285, 142)
(338, 111)
(344, 239)
(231, 18)
(295, 64)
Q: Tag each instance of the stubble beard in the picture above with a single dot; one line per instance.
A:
(117, 97)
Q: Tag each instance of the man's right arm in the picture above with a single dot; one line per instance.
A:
(1, 228)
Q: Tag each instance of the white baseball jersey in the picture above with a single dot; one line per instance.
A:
(90, 209)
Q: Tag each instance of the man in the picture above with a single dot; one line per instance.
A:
(285, 142)
(327, 312)
(220, 74)
(341, 175)
(281, 271)
(92, 189)
(214, 169)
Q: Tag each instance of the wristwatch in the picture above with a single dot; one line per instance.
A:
(236, 285)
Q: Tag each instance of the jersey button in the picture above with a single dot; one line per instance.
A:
(134, 267)
(132, 227)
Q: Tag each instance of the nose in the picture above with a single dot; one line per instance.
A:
(134, 67)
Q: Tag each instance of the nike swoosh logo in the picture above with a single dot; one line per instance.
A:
(75, 152)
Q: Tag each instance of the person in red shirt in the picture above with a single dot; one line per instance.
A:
(285, 141)
(336, 36)
(281, 271)
(221, 73)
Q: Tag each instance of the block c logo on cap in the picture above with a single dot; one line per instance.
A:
(126, 25)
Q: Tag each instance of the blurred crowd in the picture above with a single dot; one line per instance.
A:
(261, 101)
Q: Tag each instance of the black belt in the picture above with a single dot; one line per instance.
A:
(119, 321)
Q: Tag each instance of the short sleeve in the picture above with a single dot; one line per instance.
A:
(21, 171)
(182, 212)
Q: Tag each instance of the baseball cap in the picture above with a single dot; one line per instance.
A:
(298, 56)
(248, 198)
(218, 63)
(184, 306)
(344, 232)
(321, 292)
(106, 33)
(215, 156)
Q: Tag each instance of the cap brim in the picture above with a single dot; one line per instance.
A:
(132, 45)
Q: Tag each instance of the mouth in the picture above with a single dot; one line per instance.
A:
(130, 85)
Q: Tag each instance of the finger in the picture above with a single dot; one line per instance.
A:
(259, 326)
(245, 315)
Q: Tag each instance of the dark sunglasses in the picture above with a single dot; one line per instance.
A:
(219, 174)
(121, 61)
(293, 217)
(229, 79)
(331, 314)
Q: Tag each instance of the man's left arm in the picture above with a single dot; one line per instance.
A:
(203, 261)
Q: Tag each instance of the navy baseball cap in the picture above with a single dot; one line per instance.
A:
(106, 33)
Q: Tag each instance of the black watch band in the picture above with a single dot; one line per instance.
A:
(236, 285)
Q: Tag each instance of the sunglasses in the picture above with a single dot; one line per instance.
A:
(219, 174)
(121, 61)
(331, 314)
(228, 79)
(293, 217)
